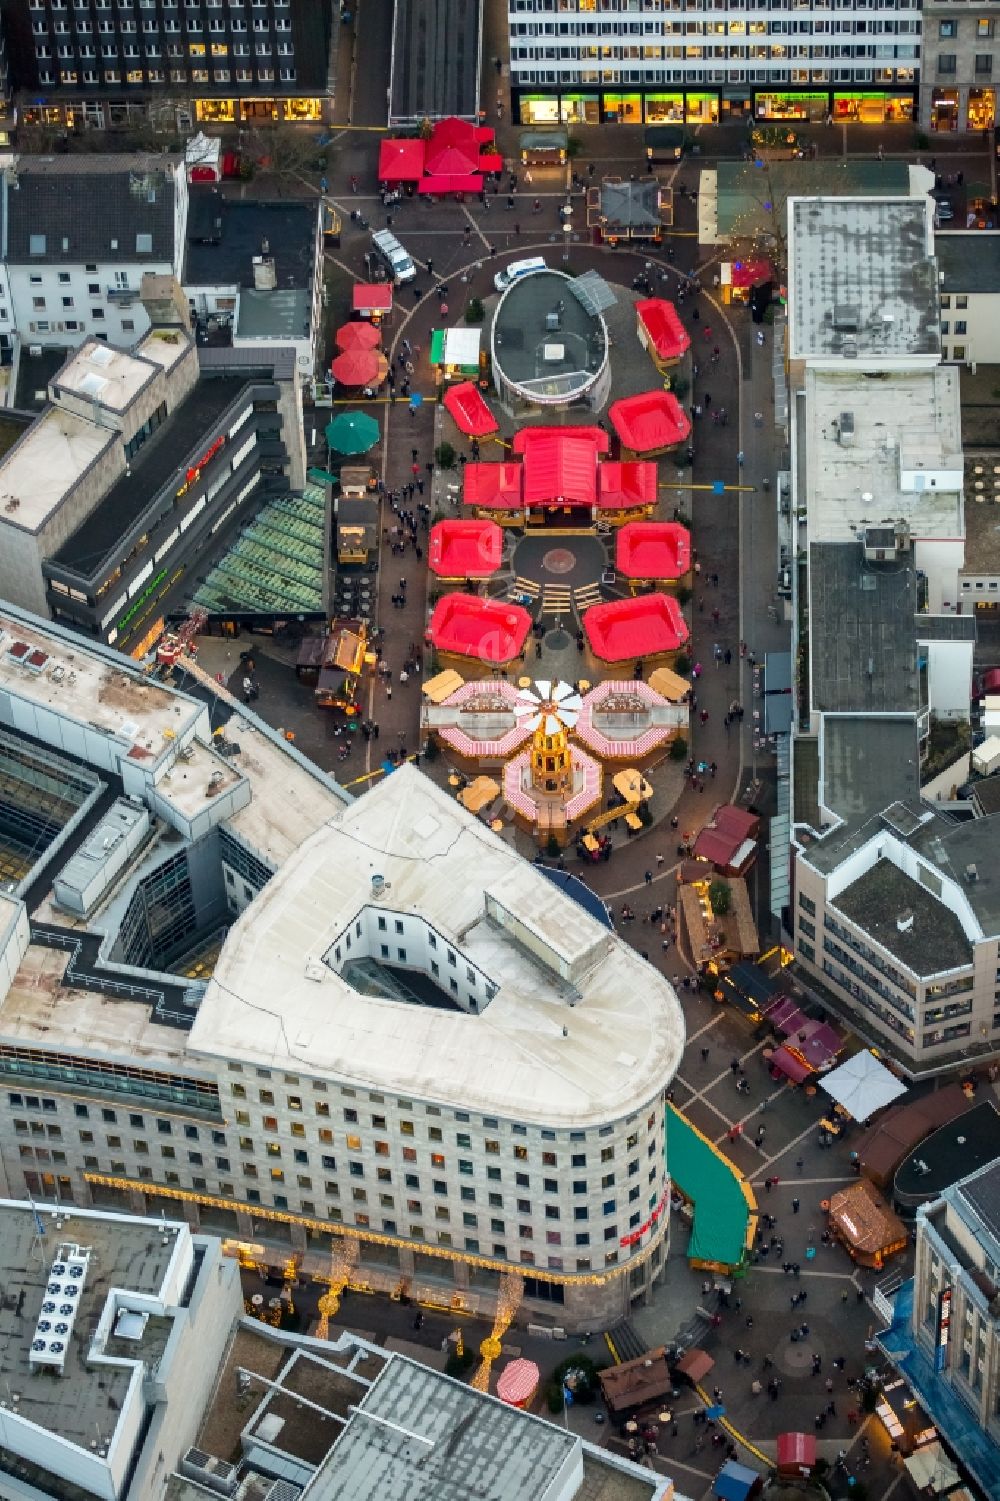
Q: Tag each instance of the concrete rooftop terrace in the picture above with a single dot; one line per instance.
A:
(95, 686)
(540, 1050)
(910, 419)
(862, 280)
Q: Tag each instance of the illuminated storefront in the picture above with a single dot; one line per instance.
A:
(982, 108)
(708, 107)
(944, 109)
(872, 108)
(792, 106)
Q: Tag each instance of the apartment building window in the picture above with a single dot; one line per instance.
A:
(985, 28)
(946, 62)
(984, 62)
(948, 28)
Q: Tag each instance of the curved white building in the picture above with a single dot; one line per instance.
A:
(479, 1065)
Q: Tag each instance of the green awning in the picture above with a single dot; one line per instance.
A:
(714, 1186)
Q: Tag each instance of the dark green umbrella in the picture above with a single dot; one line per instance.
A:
(352, 432)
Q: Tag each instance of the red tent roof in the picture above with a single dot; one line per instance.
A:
(497, 487)
(452, 148)
(466, 405)
(489, 629)
(796, 1450)
(627, 629)
(355, 367)
(786, 1062)
(560, 464)
(653, 549)
(401, 161)
(649, 421)
(622, 486)
(465, 549)
(358, 336)
(748, 273)
(459, 181)
(662, 323)
(371, 296)
(491, 161)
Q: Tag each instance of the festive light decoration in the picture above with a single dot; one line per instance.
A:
(508, 1299)
(423, 1248)
(343, 1259)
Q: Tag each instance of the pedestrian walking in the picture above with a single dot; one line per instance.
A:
(795, 1206)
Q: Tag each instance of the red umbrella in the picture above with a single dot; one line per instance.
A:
(357, 367)
(358, 336)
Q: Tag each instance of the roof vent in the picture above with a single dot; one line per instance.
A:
(904, 922)
(378, 885)
(971, 873)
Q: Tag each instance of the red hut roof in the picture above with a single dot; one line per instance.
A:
(627, 629)
(369, 297)
(653, 549)
(662, 323)
(466, 404)
(451, 182)
(729, 841)
(560, 463)
(401, 161)
(620, 487)
(490, 630)
(496, 487)
(465, 549)
(453, 149)
(796, 1451)
(650, 421)
(748, 273)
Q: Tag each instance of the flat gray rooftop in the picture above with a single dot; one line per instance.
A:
(475, 1446)
(274, 315)
(968, 262)
(435, 60)
(863, 636)
(981, 1195)
(955, 847)
(945, 627)
(123, 1254)
(862, 278)
(868, 762)
(525, 348)
(935, 942)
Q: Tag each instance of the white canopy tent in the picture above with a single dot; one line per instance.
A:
(862, 1085)
(932, 1470)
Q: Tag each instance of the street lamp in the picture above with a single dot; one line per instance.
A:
(567, 231)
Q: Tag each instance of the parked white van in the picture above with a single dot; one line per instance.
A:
(517, 269)
(399, 263)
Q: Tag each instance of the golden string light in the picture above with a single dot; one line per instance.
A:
(343, 1259)
(508, 1299)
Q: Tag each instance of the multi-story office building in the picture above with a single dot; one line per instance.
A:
(945, 1332)
(652, 61)
(114, 62)
(960, 66)
(412, 1043)
(135, 468)
(896, 924)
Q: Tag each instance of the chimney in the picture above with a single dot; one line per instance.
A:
(904, 922)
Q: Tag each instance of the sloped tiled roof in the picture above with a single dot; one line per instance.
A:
(86, 209)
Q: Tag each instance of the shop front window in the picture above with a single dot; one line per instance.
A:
(259, 109)
(664, 109)
(944, 109)
(982, 109)
(303, 109)
(215, 109)
(702, 109)
(623, 109)
(791, 106)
